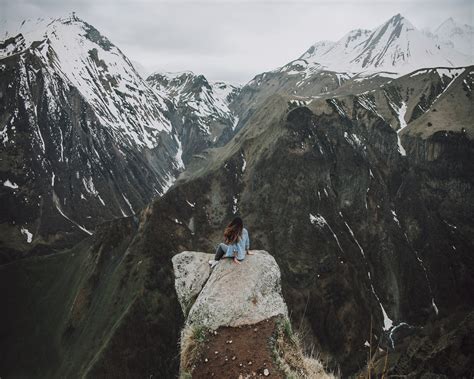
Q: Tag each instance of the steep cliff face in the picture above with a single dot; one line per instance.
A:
(293, 79)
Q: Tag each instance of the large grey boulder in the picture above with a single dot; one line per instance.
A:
(191, 271)
(233, 294)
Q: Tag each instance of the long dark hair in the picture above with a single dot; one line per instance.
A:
(234, 230)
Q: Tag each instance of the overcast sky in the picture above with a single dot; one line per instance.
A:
(231, 40)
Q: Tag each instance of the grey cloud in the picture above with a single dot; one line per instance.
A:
(231, 40)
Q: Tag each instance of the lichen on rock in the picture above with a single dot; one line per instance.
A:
(233, 294)
(191, 271)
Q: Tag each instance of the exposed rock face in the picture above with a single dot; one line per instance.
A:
(202, 115)
(442, 349)
(101, 309)
(191, 272)
(357, 227)
(234, 294)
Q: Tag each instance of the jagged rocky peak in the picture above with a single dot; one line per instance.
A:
(171, 79)
(187, 86)
(456, 35)
(203, 107)
(43, 28)
(83, 57)
(234, 313)
(394, 28)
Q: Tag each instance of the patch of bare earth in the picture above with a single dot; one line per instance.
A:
(240, 352)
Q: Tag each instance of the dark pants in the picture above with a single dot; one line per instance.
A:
(220, 251)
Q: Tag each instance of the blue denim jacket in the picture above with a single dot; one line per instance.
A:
(239, 247)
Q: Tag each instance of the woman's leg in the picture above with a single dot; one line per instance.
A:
(220, 251)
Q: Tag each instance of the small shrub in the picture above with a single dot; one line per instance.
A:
(290, 358)
(192, 340)
(185, 375)
(200, 334)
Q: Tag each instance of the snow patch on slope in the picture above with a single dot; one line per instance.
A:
(9, 184)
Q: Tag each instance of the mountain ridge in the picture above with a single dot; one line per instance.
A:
(388, 47)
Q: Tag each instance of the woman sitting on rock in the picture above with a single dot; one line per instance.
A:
(237, 243)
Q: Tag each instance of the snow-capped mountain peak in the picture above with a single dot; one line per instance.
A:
(208, 100)
(317, 49)
(448, 23)
(395, 46)
(88, 61)
(457, 36)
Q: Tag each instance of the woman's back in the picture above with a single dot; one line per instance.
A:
(237, 243)
(242, 244)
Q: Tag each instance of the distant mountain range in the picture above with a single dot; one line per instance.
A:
(396, 46)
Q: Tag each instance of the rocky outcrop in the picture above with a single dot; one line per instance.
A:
(232, 294)
(244, 303)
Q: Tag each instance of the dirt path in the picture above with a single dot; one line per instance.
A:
(241, 352)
